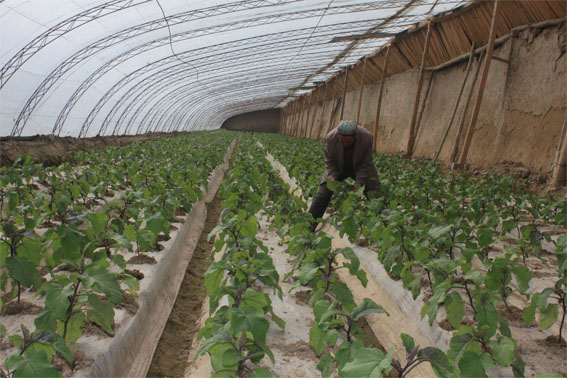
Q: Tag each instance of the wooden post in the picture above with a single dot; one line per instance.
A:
(464, 116)
(361, 90)
(322, 113)
(331, 115)
(411, 138)
(481, 86)
(307, 115)
(467, 71)
(314, 114)
(295, 118)
(560, 164)
(379, 105)
(344, 93)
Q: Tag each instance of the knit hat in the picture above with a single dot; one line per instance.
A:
(347, 128)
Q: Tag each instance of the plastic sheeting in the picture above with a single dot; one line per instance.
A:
(86, 68)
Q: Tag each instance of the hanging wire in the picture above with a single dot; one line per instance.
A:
(173, 52)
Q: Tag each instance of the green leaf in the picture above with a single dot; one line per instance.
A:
(523, 276)
(455, 307)
(343, 294)
(4, 252)
(45, 321)
(437, 232)
(103, 281)
(31, 364)
(101, 313)
(252, 321)
(156, 224)
(30, 249)
(57, 300)
(368, 362)
(231, 358)
(98, 222)
(331, 337)
(23, 271)
(145, 239)
(485, 237)
(438, 360)
(548, 316)
(316, 339)
(408, 342)
(528, 315)
(470, 366)
(74, 327)
(368, 306)
(504, 351)
(459, 345)
(326, 366)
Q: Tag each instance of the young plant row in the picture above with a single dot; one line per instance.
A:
(423, 223)
(235, 333)
(63, 231)
(336, 335)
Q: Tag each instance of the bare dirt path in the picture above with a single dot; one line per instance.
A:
(171, 355)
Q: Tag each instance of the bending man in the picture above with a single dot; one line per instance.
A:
(348, 153)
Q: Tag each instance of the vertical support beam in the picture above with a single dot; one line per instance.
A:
(322, 112)
(481, 86)
(331, 115)
(294, 120)
(467, 72)
(314, 113)
(344, 93)
(411, 138)
(306, 131)
(559, 173)
(379, 105)
(361, 90)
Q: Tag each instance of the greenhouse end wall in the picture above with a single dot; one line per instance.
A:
(521, 115)
(262, 120)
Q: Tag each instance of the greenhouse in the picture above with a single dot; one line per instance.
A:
(283, 188)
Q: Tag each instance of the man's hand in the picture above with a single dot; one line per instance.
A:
(356, 186)
(333, 180)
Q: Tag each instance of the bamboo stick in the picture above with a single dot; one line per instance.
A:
(314, 115)
(411, 137)
(465, 111)
(560, 164)
(467, 71)
(482, 84)
(307, 115)
(344, 93)
(361, 91)
(379, 105)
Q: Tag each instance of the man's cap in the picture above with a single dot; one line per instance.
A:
(347, 128)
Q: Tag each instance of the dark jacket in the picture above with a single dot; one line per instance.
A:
(363, 163)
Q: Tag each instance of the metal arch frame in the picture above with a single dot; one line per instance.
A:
(95, 76)
(146, 86)
(121, 36)
(62, 28)
(174, 94)
(116, 38)
(153, 83)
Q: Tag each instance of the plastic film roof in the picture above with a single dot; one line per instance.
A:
(86, 68)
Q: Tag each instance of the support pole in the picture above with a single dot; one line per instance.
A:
(454, 151)
(314, 114)
(411, 138)
(307, 115)
(361, 90)
(560, 165)
(332, 115)
(379, 105)
(295, 118)
(344, 93)
(467, 71)
(322, 113)
(481, 86)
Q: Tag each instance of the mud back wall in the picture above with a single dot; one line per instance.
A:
(262, 120)
(521, 116)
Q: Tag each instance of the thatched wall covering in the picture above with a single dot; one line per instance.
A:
(524, 102)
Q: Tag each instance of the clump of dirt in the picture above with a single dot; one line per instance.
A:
(174, 346)
(142, 259)
(80, 361)
(446, 325)
(129, 303)
(302, 296)
(50, 150)
(94, 329)
(135, 273)
(22, 308)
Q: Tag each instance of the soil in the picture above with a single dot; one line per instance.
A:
(129, 303)
(22, 308)
(172, 352)
(80, 360)
(135, 273)
(94, 330)
(50, 150)
(142, 259)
